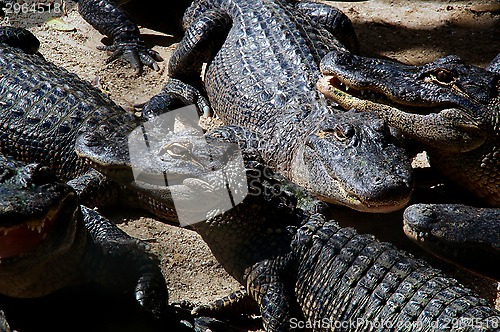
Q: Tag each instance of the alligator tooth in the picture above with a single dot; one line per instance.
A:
(39, 228)
(346, 88)
(5, 231)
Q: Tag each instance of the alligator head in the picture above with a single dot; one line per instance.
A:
(451, 107)
(38, 216)
(176, 167)
(361, 160)
(445, 104)
(464, 235)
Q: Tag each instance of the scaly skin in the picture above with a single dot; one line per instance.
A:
(451, 107)
(49, 242)
(458, 233)
(297, 265)
(20, 38)
(45, 108)
(262, 68)
(118, 20)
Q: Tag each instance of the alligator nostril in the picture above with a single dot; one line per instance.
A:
(429, 214)
(377, 180)
(91, 139)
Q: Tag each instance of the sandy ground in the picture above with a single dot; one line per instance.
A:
(410, 31)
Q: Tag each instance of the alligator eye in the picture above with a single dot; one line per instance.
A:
(443, 76)
(343, 132)
(176, 150)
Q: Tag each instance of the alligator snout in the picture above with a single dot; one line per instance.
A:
(387, 191)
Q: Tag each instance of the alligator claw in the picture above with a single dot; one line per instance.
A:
(134, 53)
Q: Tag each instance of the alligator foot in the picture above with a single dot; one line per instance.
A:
(175, 94)
(133, 51)
(113, 22)
(126, 261)
(236, 304)
(238, 301)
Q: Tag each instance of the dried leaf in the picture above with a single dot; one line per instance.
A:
(59, 24)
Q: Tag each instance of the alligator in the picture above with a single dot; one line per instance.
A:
(450, 107)
(458, 233)
(49, 242)
(117, 20)
(263, 63)
(305, 271)
(44, 108)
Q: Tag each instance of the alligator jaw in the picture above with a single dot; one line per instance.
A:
(447, 129)
(358, 204)
(17, 241)
(350, 97)
(302, 173)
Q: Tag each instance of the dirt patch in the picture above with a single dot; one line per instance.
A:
(413, 32)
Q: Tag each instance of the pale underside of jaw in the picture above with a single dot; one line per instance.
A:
(371, 99)
(350, 97)
(358, 204)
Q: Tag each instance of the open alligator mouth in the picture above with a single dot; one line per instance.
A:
(368, 98)
(18, 240)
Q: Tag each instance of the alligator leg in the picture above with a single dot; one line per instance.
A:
(203, 37)
(265, 290)
(175, 94)
(125, 261)
(111, 21)
(201, 40)
(332, 20)
(94, 189)
(264, 285)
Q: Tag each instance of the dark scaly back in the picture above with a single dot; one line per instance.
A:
(271, 37)
(262, 68)
(355, 280)
(19, 38)
(44, 108)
